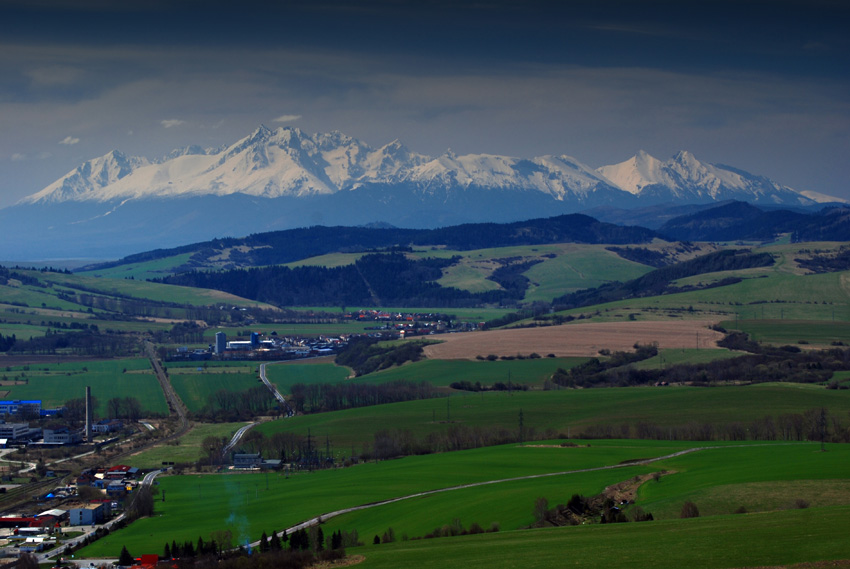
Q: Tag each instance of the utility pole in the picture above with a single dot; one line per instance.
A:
(521, 429)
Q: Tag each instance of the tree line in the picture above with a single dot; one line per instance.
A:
(83, 342)
(765, 363)
(364, 355)
(816, 424)
(324, 397)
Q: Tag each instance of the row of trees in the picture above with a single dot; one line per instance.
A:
(322, 397)
(816, 424)
(84, 342)
(228, 406)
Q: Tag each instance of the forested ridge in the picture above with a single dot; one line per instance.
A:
(388, 279)
(279, 247)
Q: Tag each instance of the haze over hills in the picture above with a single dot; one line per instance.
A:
(116, 204)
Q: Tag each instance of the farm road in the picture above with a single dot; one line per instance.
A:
(323, 517)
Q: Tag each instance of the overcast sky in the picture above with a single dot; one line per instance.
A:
(760, 85)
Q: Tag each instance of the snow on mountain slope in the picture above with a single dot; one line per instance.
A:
(823, 198)
(685, 178)
(89, 178)
(287, 162)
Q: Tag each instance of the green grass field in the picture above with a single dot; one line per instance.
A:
(776, 293)
(532, 372)
(187, 448)
(817, 332)
(196, 388)
(754, 540)
(141, 271)
(567, 411)
(56, 383)
(198, 505)
(579, 267)
(321, 370)
(707, 477)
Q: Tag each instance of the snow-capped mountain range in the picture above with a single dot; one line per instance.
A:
(279, 179)
(290, 163)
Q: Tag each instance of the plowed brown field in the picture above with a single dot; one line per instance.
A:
(584, 339)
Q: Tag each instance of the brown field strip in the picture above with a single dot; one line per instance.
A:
(585, 339)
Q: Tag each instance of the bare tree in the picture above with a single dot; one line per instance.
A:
(27, 561)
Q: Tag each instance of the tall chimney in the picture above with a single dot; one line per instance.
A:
(88, 414)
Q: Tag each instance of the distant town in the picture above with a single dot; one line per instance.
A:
(271, 346)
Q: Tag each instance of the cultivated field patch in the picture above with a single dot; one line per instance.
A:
(585, 339)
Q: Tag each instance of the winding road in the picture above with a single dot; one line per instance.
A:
(326, 516)
(273, 388)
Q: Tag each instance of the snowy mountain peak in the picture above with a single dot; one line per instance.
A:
(89, 177)
(289, 162)
(685, 178)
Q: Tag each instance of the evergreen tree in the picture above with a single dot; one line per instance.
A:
(166, 553)
(125, 558)
(264, 542)
(274, 542)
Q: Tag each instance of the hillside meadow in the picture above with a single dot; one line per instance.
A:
(441, 373)
(709, 476)
(196, 505)
(723, 542)
(193, 506)
(567, 411)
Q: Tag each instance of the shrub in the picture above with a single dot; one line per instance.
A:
(689, 510)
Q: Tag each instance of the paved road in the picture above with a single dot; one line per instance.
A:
(273, 388)
(171, 396)
(234, 440)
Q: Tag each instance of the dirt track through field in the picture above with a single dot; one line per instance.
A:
(585, 339)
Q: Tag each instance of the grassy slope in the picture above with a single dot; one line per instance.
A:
(198, 505)
(566, 411)
(187, 448)
(531, 372)
(706, 543)
(141, 271)
(704, 477)
(817, 332)
(146, 290)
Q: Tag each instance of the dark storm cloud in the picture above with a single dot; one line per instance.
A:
(762, 85)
